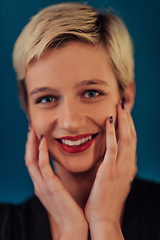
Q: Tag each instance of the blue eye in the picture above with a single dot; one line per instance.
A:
(46, 99)
(92, 93)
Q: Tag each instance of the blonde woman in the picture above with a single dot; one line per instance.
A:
(75, 75)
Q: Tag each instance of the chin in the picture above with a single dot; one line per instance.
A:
(78, 163)
(80, 167)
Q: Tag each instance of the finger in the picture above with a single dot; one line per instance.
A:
(111, 142)
(123, 126)
(31, 154)
(126, 143)
(132, 127)
(44, 165)
(133, 160)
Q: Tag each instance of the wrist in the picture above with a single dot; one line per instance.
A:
(76, 230)
(106, 230)
(73, 232)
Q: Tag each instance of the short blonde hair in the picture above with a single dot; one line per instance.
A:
(57, 24)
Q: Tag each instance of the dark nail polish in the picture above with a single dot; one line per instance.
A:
(123, 103)
(111, 119)
(41, 138)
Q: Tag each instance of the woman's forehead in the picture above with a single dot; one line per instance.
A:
(73, 63)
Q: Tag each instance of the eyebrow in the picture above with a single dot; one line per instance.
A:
(79, 84)
(42, 89)
(91, 82)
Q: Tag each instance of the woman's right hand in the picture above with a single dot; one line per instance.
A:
(67, 215)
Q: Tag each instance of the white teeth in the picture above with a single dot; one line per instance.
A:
(89, 137)
(83, 140)
(76, 143)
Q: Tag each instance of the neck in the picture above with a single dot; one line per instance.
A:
(78, 184)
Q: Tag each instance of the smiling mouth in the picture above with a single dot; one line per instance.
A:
(76, 144)
(79, 142)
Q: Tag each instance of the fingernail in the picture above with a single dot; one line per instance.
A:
(111, 119)
(123, 103)
(41, 138)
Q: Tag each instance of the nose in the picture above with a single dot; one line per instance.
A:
(71, 117)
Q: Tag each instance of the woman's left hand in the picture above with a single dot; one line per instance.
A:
(105, 205)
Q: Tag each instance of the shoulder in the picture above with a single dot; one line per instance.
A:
(28, 219)
(142, 211)
(145, 193)
(145, 188)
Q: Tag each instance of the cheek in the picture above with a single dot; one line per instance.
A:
(100, 112)
(41, 122)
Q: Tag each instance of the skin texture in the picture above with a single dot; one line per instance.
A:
(73, 113)
(89, 188)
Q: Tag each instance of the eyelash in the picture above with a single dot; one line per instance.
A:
(93, 90)
(39, 100)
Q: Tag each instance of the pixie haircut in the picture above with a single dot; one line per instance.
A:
(56, 25)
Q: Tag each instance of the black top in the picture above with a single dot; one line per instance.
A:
(29, 221)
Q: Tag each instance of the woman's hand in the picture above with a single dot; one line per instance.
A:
(105, 205)
(67, 215)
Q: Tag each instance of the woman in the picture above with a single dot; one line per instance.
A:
(75, 73)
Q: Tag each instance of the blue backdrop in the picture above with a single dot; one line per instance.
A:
(142, 18)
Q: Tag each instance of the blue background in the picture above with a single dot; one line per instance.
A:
(142, 19)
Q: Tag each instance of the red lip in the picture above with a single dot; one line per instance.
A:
(76, 137)
(76, 149)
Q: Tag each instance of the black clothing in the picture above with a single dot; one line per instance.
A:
(28, 221)
(141, 221)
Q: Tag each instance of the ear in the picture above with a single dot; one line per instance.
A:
(130, 95)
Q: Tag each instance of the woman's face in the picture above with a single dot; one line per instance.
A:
(72, 90)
